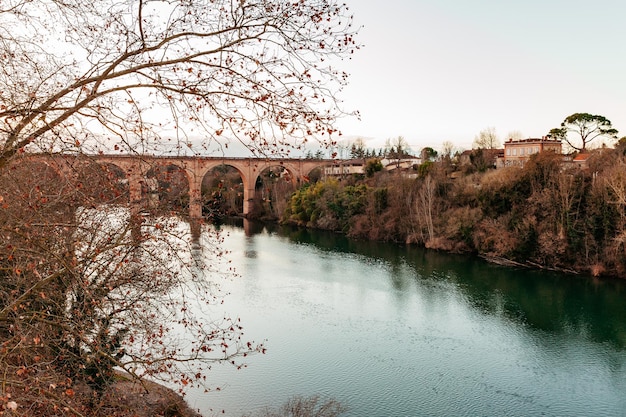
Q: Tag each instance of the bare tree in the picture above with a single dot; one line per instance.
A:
(398, 146)
(88, 287)
(613, 180)
(306, 407)
(515, 135)
(124, 72)
(397, 149)
(487, 139)
(425, 203)
(445, 157)
(447, 149)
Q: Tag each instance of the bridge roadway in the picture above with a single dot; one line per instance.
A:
(136, 168)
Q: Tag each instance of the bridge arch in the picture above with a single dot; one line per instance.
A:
(222, 192)
(273, 185)
(105, 181)
(314, 174)
(167, 185)
(35, 182)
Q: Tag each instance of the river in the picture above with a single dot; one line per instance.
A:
(389, 330)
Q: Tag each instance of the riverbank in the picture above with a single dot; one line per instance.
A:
(539, 216)
(148, 399)
(127, 397)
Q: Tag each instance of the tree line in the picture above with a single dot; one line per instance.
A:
(544, 214)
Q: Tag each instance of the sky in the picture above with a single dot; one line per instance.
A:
(443, 70)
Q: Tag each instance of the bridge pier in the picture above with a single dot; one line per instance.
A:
(195, 210)
(195, 199)
(135, 181)
(248, 200)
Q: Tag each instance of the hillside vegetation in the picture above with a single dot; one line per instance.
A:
(543, 215)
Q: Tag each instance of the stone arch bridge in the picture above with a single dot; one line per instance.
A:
(136, 168)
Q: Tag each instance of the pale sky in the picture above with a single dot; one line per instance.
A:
(443, 70)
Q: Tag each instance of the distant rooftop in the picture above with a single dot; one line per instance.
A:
(533, 140)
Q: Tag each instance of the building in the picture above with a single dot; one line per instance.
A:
(517, 152)
(581, 160)
(391, 164)
(345, 167)
(357, 166)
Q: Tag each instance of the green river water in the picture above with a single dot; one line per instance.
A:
(390, 330)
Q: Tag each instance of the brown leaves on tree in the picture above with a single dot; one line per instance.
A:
(88, 286)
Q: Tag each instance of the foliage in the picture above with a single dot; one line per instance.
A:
(428, 154)
(546, 214)
(373, 166)
(326, 205)
(586, 127)
(357, 150)
(424, 168)
(381, 200)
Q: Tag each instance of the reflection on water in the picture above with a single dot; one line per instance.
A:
(395, 330)
(544, 300)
